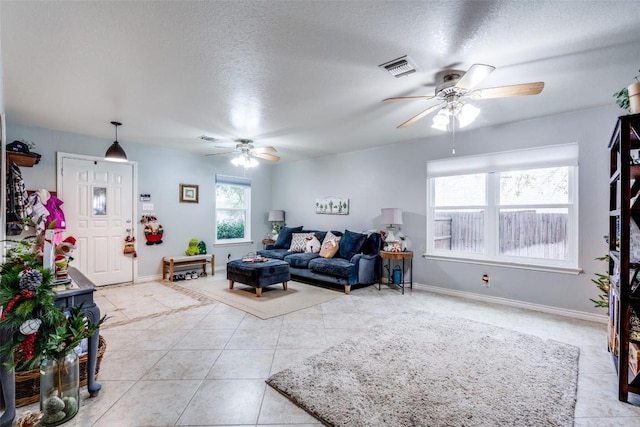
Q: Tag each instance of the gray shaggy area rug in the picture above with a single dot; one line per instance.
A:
(424, 369)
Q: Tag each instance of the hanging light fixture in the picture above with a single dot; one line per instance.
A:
(115, 153)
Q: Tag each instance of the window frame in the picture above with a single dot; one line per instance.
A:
(564, 155)
(245, 183)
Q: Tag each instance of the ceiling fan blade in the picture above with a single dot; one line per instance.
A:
(523, 89)
(222, 153)
(475, 74)
(267, 156)
(409, 98)
(419, 116)
(268, 149)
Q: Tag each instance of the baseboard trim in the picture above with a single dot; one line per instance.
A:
(599, 318)
(152, 278)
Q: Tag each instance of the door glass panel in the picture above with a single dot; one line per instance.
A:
(99, 201)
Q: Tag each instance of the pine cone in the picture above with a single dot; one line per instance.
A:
(31, 280)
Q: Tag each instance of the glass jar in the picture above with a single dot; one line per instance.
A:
(59, 389)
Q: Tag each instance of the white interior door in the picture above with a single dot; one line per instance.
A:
(98, 207)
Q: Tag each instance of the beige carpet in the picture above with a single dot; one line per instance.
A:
(424, 369)
(275, 301)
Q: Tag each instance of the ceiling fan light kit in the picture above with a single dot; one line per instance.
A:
(245, 161)
(115, 153)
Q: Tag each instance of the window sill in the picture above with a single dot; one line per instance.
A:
(547, 268)
(244, 242)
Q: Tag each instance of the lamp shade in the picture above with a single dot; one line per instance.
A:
(276, 216)
(391, 216)
(115, 153)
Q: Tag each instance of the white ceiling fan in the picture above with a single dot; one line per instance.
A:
(248, 153)
(452, 89)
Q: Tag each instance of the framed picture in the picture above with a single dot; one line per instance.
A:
(332, 206)
(188, 193)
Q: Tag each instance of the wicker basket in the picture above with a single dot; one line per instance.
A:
(28, 382)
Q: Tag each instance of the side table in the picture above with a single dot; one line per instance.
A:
(388, 255)
(266, 242)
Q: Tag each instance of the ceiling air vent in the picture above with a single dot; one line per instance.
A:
(400, 67)
(207, 138)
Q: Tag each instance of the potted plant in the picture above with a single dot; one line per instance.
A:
(628, 98)
(42, 335)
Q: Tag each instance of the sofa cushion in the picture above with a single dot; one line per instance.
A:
(299, 241)
(337, 267)
(274, 253)
(284, 237)
(300, 260)
(350, 244)
(329, 248)
(373, 244)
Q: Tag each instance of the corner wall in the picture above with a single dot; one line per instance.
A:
(395, 176)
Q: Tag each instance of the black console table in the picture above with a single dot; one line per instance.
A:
(83, 294)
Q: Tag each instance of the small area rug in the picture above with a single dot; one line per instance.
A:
(423, 369)
(275, 301)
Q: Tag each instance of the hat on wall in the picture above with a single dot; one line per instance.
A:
(18, 147)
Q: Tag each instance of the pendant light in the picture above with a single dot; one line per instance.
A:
(115, 153)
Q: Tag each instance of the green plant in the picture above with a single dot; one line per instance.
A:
(602, 282)
(230, 230)
(38, 328)
(622, 96)
(278, 226)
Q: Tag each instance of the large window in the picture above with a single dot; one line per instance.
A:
(516, 208)
(233, 209)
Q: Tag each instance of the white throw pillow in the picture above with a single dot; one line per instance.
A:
(299, 241)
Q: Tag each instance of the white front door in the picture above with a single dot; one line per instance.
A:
(98, 208)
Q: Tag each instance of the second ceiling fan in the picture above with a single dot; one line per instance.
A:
(456, 85)
(248, 152)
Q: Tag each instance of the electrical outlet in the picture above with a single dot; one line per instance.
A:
(485, 280)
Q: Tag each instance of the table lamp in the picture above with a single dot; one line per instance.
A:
(391, 217)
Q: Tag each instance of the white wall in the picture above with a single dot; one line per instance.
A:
(391, 176)
(395, 176)
(160, 172)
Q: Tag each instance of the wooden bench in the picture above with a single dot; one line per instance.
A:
(170, 263)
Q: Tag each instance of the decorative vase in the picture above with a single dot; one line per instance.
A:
(634, 97)
(59, 389)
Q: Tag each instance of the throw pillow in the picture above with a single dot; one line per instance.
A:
(330, 236)
(284, 237)
(351, 243)
(299, 241)
(329, 248)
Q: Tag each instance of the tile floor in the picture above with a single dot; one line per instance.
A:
(172, 359)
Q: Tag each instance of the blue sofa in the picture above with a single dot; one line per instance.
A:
(357, 261)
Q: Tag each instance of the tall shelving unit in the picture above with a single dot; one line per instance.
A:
(624, 270)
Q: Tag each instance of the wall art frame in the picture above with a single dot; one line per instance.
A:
(189, 193)
(332, 206)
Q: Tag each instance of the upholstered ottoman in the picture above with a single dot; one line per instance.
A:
(258, 274)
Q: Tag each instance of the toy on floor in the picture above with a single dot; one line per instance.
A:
(193, 248)
(313, 245)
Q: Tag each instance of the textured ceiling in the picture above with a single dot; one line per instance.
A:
(302, 76)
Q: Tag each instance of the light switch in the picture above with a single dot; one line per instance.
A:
(147, 206)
